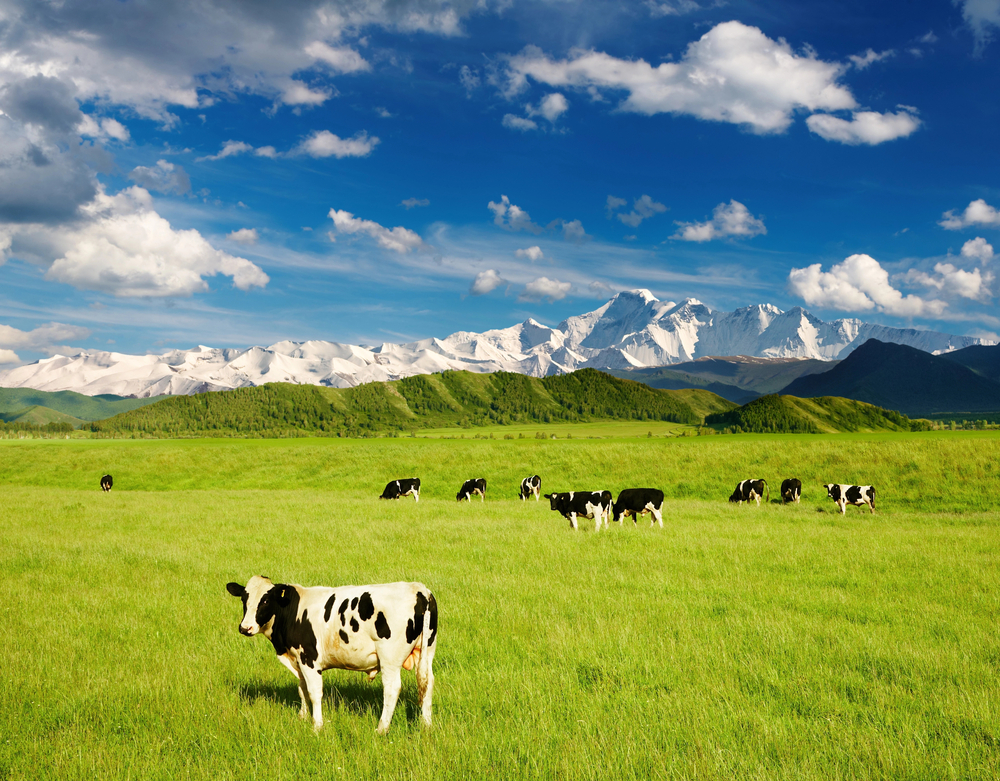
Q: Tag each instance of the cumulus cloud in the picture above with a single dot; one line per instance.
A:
(954, 281)
(323, 143)
(978, 249)
(643, 208)
(613, 204)
(734, 73)
(543, 287)
(983, 18)
(732, 219)
(103, 129)
(658, 8)
(486, 281)
(531, 253)
(164, 177)
(511, 217)
(572, 230)
(864, 127)
(398, 239)
(858, 284)
(50, 339)
(244, 236)
(339, 59)
(862, 61)
(515, 122)
(410, 203)
(552, 107)
(978, 212)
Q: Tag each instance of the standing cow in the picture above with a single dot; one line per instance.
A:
(106, 483)
(374, 629)
(857, 495)
(477, 485)
(750, 490)
(407, 486)
(639, 501)
(588, 504)
(791, 490)
(530, 485)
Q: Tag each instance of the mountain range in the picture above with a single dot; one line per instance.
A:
(634, 330)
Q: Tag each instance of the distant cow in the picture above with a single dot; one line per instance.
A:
(587, 504)
(791, 490)
(106, 483)
(639, 501)
(531, 485)
(374, 628)
(750, 490)
(475, 486)
(857, 495)
(408, 486)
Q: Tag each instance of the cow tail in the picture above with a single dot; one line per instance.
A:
(873, 497)
(429, 636)
(767, 490)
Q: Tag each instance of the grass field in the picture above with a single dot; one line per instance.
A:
(737, 642)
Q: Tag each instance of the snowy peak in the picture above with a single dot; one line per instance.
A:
(632, 330)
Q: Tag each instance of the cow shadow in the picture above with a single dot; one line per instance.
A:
(355, 694)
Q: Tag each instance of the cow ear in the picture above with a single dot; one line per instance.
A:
(283, 599)
(236, 590)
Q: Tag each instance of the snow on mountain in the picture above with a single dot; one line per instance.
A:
(633, 329)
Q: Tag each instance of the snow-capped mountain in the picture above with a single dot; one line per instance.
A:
(633, 329)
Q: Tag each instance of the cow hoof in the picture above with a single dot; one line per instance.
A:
(380, 730)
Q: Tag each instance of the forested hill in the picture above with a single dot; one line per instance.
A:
(776, 414)
(453, 398)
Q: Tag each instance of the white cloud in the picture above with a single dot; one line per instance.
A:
(244, 236)
(8, 356)
(103, 129)
(515, 122)
(573, 231)
(978, 249)
(323, 143)
(978, 212)
(613, 204)
(340, 59)
(297, 93)
(531, 253)
(864, 127)
(398, 239)
(127, 249)
(643, 208)
(734, 73)
(511, 217)
(164, 177)
(410, 203)
(859, 284)
(983, 18)
(862, 61)
(671, 7)
(469, 79)
(486, 281)
(552, 107)
(543, 287)
(732, 219)
(973, 284)
(233, 148)
(50, 339)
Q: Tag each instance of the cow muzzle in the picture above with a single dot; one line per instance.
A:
(245, 630)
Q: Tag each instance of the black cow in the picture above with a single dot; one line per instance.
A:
(476, 485)
(589, 504)
(530, 485)
(791, 490)
(408, 486)
(639, 501)
(750, 490)
(106, 483)
(857, 495)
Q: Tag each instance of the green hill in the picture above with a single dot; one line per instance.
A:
(453, 398)
(826, 414)
(40, 416)
(15, 402)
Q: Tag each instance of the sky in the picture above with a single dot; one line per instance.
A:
(230, 174)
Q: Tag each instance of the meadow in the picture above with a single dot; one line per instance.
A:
(737, 642)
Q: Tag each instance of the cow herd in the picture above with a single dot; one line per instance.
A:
(791, 491)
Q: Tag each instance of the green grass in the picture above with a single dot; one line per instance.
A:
(737, 642)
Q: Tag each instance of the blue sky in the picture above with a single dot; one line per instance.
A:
(181, 173)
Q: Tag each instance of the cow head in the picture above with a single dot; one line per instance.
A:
(829, 489)
(261, 601)
(737, 496)
(460, 496)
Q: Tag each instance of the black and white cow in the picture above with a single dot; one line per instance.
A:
(372, 629)
(791, 490)
(639, 501)
(750, 490)
(106, 483)
(476, 485)
(531, 485)
(408, 486)
(857, 495)
(586, 504)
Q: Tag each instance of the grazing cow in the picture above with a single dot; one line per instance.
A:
(791, 490)
(106, 483)
(588, 504)
(749, 490)
(408, 486)
(531, 485)
(857, 495)
(476, 485)
(371, 629)
(639, 501)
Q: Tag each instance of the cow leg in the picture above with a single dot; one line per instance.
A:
(303, 694)
(313, 682)
(425, 683)
(658, 515)
(843, 508)
(416, 496)
(597, 521)
(572, 520)
(391, 684)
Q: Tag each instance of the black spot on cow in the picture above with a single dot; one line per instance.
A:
(281, 603)
(355, 625)
(432, 607)
(341, 610)
(415, 625)
(354, 604)
(344, 637)
(329, 607)
(366, 609)
(382, 626)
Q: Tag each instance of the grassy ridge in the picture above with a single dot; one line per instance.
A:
(825, 414)
(425, 401)
(15, 401)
